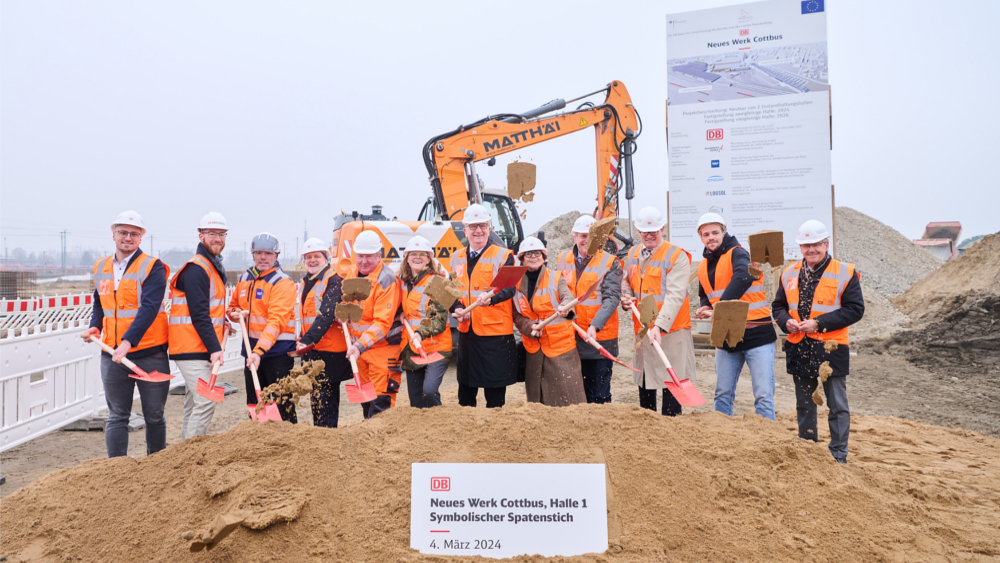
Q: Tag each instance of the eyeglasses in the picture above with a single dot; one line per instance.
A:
(533, 254)
(127, 234)
(480, 227)
(215, 234)
(813, 245)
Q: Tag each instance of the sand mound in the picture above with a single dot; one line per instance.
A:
(954, 311)
(700, 487)
(559, 233)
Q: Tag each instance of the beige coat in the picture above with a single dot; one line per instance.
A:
(555, 382)
(678, 346)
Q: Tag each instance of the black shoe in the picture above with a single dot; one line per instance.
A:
(843, 461)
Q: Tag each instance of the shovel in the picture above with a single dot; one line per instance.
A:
(302, 352)
(569, 305)
(138, 372)
(209, 390)
(424, 358)
(605, 353)
(683, 390)
(270, 410)
(357, 393)
(508, 276)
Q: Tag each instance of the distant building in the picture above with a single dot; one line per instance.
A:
(941, 239)
(967, 243)
(696, 70)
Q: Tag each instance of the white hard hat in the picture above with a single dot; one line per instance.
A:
(649, 219)
(709, 218)
(130, 218)
(583, 223)
(476, 213)
(368, 242)
(315, 245)
(419, 244)
(265, 242)
(812, 231)
(213, 220)
(529, 244)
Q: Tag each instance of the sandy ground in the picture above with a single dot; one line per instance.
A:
(878, 385)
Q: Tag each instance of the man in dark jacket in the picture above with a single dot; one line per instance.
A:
(724, 275)
(818, 298)
(197, 320)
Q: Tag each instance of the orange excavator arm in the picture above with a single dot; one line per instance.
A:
(450, 158)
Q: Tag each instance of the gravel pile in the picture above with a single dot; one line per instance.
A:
(559, 233)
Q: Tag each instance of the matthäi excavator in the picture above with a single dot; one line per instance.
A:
(451, 160)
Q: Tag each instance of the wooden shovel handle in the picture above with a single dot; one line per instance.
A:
(489, 294)
(409, 330)
(246, 342)
(128, 363)
(347, 336)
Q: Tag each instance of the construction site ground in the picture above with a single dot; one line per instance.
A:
(878, 385)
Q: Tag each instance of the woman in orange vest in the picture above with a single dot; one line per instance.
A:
(661, 269)
(724, 275)
(129, 316)
(429, 321)
(321, 291)
(818, 298)
(552, 374)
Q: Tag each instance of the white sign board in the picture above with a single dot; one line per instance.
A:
(748, 135)
(507, 509)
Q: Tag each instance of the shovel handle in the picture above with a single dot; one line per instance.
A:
(666, 362)
(246, 342)
(347, 336)
(128, 363)
(489, 294)
(409, 331)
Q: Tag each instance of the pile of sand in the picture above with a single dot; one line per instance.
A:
(955, 312)
(559, 233)
(701, 487)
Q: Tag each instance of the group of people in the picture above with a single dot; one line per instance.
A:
(818, 298)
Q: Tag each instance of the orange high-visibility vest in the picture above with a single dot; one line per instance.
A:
(121, 305)
(333, 340)
(826, 298)
(184, 339)
(270, 298)
(558, 336)
(756, 296)
(586, 310)
(653, 280)
(414, 310)
(379, 309)
(498, 319)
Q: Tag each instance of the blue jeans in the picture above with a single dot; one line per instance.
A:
(727, 372)
(118, 389)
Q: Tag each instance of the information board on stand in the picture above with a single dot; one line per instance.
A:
(748, 114)
(502, 510)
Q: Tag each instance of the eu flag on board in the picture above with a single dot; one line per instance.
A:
(812, 6)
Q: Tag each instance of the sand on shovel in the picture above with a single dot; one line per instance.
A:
(729, 322)
(443, 291)
(647, 315)
(348, 312)
(520, 181)
(356, 289)
(599, 233)
(298, 383)
(768, 247)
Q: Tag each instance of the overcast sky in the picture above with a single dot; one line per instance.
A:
(282, 113)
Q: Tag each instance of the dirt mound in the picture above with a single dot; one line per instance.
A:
(702, 487)
(559, 233)
(954, 312)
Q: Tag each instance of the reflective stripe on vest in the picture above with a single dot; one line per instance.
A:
(826, 297)
(558, 336)
(659, 264)
(184, 339)
(755, 295)
(496, 320)
(120, 306)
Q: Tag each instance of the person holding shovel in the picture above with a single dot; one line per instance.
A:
(265, 296)
(371, 349)
(724, 275)
(321, 291)
(552, 373)
(429, 321)
(128, 310)
(198, 320)
(661, 269)
(597, 314)
(826, 293)
(487, 351)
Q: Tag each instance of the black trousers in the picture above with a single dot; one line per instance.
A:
(271, 370)
(325, 398)
(647, 400)
(495, 396)
(597, 380)
(840, 414)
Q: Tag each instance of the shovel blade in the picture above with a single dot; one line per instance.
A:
(212, 393)
(153, 377)
(361, 394)
(686, 393)
(427, 359)
(270, 412)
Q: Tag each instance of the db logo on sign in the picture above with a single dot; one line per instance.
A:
(714, 134)
(744, 32)
(440, 483)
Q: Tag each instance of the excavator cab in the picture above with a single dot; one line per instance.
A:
(505, 229)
